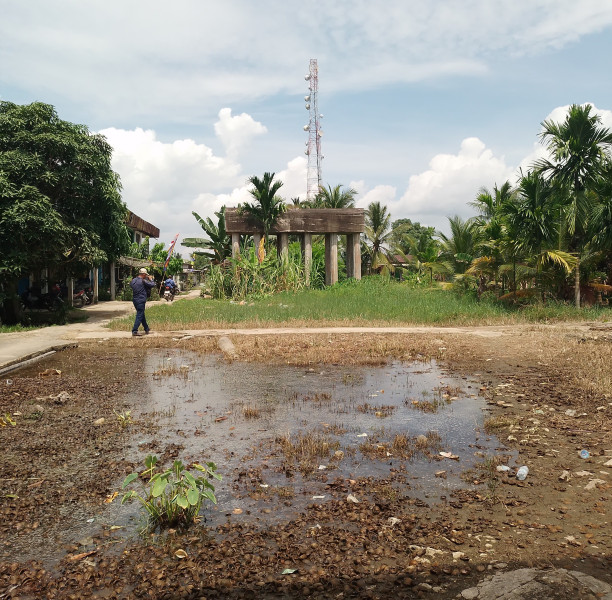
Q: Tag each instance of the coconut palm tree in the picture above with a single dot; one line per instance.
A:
(218, 243)
(425, 255)
(335, 197)
(459, 248)
(268, 206)
(378, 231)
(579, 150)
(532, 223)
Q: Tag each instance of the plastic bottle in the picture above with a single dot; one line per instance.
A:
(584, 454)
(521, 474)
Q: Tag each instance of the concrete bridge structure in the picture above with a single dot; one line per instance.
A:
(306, 222)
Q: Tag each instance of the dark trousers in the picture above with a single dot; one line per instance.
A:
(140, 317)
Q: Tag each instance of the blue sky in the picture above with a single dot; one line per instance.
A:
(425, 101)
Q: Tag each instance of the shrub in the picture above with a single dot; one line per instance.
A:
(174, 496)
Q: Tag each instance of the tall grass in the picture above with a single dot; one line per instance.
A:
(371, 301)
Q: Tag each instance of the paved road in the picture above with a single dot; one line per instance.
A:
(19, 346)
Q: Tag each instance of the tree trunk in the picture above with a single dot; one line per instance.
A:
(577, 284)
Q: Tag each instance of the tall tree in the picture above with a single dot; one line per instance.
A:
(218, 244)
(335, 197)
(532, 224)
(459, 248)
(60, 202)
(490, 225)
(579, 148)
(268, 206)
(378, 233)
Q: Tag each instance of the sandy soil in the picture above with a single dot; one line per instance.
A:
(549, 391)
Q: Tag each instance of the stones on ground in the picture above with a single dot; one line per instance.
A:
(593, 483)
(565, 476)
(553, 584)
(227, 347)
(99, 422)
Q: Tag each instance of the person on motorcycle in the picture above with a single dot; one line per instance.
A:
(170, 284)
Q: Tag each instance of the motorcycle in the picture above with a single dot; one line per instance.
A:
(34, 299)
(82, 297)
(169, 293)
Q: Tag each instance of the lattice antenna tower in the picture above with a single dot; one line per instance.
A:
(313, 144)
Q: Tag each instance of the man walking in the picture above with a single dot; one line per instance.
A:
(141, 286)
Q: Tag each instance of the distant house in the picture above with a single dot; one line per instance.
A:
(116, 271)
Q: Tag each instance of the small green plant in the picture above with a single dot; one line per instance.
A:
(124, 418)
(175, 496)
(7, 420)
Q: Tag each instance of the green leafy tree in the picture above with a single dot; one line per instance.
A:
(378, 234)
(459, 248)
(60, 202)
(531, 218)
(268, 206)
(579, 150)
(158, 255)
(492, 246)
(405, 233)
(336, 197)
(218, 245)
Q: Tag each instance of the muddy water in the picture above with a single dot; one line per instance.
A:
(202, 406)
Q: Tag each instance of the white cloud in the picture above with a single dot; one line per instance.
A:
(450, 183)
(236, 132)
(143, 58)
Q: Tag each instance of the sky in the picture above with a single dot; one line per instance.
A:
(424, 101)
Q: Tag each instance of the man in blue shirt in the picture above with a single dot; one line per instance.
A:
(141, 286)
(171, 284)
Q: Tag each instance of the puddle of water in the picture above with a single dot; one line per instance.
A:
(200, 407)
(203, 404)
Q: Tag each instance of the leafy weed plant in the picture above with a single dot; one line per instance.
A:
(175, 496)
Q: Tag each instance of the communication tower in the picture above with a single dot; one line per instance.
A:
(313, 144)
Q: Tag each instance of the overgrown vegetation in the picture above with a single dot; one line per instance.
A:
(373, 301)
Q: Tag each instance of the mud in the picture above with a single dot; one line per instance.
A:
(269, 428)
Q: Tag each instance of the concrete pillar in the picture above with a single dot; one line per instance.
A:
(282, 242)
(307, 253)
(354, 248)
(96, 283)
(235, 245)
(349, 255)
(113, 285)
(70, 284)
(331, 258)
(256, 241)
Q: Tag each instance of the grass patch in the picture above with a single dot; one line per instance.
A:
(373, 301)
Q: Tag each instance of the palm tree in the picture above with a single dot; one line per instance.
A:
(579, 149)
(218, 243)
(459, 249)
(532, 225)
(335, 197)
(378, 231)
(268, 207)
(425, 255)
(491, 228)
